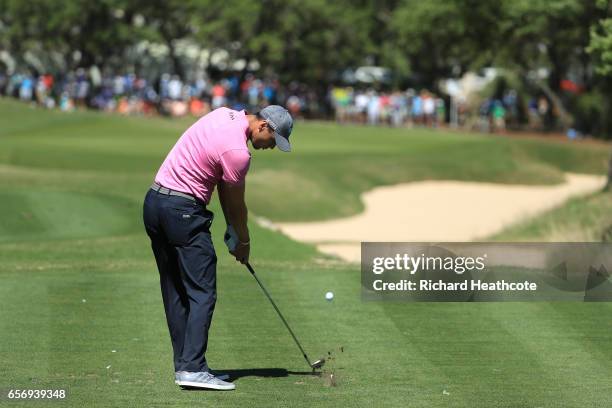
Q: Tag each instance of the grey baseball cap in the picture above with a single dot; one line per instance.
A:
(281, 122)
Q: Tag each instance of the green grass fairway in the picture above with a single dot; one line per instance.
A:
(80, 306)
(581, 219)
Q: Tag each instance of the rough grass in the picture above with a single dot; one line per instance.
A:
(584, 219)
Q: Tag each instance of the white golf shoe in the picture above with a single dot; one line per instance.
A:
(221, 376)
(202, 380)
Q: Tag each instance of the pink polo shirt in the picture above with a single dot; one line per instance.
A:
(212, 149)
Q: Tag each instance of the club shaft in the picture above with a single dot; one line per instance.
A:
(248, 265)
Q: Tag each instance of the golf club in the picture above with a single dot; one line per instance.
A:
(315, 364)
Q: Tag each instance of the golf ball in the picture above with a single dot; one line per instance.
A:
(329, 295)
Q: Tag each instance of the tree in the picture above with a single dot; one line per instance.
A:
(539, 34)
(169, 21)
(601, 48)
(304, 40)
(600, 45)
(91, 31)
(442, 38)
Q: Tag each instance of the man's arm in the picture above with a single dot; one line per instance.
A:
(231, 197)
(222, 200)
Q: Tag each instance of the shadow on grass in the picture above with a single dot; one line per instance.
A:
(236, 374)
(264, 372)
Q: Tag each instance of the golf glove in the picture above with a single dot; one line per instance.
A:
(231, 238)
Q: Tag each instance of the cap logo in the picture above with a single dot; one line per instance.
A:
(270, 121)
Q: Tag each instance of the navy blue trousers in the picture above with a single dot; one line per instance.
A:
(179, 230)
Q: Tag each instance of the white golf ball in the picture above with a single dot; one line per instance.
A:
(329, 295)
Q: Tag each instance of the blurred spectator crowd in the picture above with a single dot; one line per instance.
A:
(169, 95)
(129, 94)
(395, 108)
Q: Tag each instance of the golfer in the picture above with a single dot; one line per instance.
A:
(212, 152)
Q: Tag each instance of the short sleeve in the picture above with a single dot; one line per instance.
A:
(235, 165)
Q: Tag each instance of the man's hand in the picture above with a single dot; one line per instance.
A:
(239, 249)
(235, 211)
(242, 252)
(230, 238)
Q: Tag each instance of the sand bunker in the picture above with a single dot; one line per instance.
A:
(435, 211)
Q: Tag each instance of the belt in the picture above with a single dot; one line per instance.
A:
(167, 191)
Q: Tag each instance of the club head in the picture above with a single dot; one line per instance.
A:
(318, 363)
